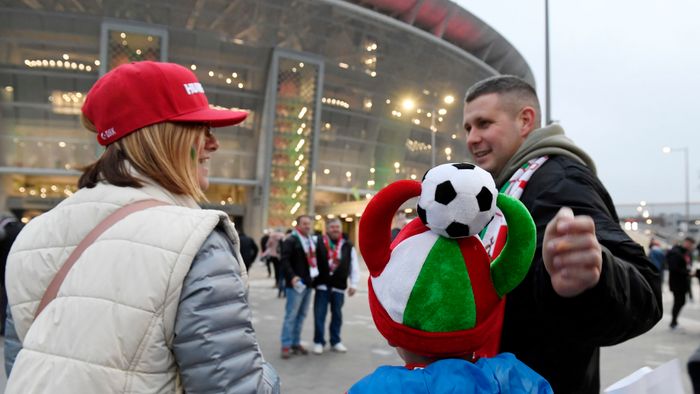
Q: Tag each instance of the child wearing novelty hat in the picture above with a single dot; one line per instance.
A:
(435, 295)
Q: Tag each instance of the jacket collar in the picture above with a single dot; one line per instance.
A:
(548, 140)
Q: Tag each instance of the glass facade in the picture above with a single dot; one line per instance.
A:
(294, 102)
(388, 99)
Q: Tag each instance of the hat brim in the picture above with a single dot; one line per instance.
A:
(213, 117)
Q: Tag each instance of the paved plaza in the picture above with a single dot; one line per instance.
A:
(335, 372)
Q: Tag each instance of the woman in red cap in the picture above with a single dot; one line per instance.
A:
(127, 285)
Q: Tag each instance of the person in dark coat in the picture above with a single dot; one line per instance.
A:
(301, 252)
(9, 228)
(337, 271)
(589, 284)
(679, 260)
(263, 249)
(249, 250)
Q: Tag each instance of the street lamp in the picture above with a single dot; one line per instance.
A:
(668, 150)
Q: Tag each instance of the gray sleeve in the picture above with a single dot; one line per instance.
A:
(215, 345)
(12, 343)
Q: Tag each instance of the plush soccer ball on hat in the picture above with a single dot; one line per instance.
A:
(457, 199)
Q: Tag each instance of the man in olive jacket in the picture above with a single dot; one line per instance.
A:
(589, 284)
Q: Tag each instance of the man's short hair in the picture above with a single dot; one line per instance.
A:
(690, 239)
(298, 219)
(516, 91)
(334, 220)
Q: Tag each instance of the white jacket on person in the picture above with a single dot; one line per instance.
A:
(111, 327)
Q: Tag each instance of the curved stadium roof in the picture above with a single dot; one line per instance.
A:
(450, 22)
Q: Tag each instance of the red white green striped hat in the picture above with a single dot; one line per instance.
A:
(437, 296)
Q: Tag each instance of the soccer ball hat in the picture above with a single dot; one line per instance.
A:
(441, 296)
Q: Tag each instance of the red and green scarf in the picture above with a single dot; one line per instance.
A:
(494, 235)
(333, 249)
(309, 246)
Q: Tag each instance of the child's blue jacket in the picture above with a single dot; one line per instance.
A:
(500, 374)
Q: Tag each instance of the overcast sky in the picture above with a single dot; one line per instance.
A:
(625, 79)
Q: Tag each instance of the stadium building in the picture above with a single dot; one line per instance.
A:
(344, 96)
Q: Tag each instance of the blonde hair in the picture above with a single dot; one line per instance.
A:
(164, 152)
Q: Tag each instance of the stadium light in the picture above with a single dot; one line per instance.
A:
(408, 104)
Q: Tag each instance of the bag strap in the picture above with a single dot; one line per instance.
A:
(52, 291)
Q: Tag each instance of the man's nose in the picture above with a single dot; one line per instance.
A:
(472, 138)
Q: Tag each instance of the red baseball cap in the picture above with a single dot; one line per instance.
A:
(140, 94)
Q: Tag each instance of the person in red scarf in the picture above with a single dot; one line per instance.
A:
(300, 269)
(335, 271)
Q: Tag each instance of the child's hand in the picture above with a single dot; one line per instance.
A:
(571, 253)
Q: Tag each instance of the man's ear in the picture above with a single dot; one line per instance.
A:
(526, 120)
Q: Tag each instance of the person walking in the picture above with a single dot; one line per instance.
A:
(657, 257)
(153, 299)
(589, 284)
(263, 248)
(299, 263)
(679, 260)
(272, 255)
(339, 268)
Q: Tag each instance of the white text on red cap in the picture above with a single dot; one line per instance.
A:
(108, 133)
(193, 87)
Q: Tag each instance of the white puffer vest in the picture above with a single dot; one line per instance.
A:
(110, 329)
